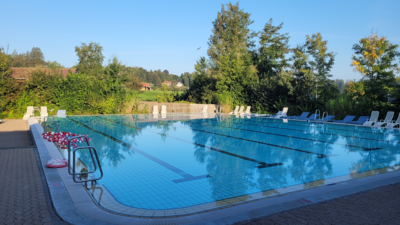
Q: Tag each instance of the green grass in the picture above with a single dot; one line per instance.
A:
(151, 95)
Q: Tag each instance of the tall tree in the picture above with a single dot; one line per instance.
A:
(274, 47)
(36, 57)
(90, 57)
(321, 64)
(375, 58)
(228, 50)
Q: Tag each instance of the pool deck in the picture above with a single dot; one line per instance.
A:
(27, 199)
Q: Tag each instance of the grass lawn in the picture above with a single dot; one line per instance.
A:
(150, 95)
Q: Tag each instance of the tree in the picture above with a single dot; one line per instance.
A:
(375, 58)
(271, 56)
(54, 65)
(5, 68)
(90, 57)
(36, 57)
(228, 50)
(321, 64)
(166, 71)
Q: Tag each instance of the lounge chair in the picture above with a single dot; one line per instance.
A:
(345, 120)
(360, 120)
(163, 109)
(247, 112)
(302, 116)
(62, 113)
(388, 119)
(241, 110)
(281, 113)
(235, 111)
(312, 117)
(155, 109)
(205, 108)
(29, 113)
(43, 113)
(373, 119)
(393, 123)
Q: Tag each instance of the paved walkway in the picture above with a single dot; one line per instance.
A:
(378, 206)
(24, 196)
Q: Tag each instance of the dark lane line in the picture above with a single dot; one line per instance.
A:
(186, 176)
(319, 155)
(260, 166)
(281, 135)
(259, 121)
(278, 146)
(371, 139)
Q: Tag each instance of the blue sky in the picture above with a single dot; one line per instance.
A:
(165, 34)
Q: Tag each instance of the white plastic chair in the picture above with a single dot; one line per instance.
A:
(235, 111)
(241, 110)
(388, 119)
(373, 119)
(247, 110)
(155, 109)
(284, 111)
(393, 123)
(62, 113)
(43, 112)
(163, 109)
(29, 113)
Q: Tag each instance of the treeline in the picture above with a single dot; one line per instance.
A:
(260, 69)
(93, 89)
(32, 58)
(157, 77)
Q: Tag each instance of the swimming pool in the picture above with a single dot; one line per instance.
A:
(180, 165)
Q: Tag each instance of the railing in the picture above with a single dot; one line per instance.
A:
(45, 120)
(94, 157)
(317, 112)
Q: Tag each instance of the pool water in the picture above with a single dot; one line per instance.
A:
(178, 162)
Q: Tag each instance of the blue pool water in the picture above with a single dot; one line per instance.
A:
(182, 162)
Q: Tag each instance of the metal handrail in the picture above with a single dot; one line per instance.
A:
(74, 174)
(69, 150)
(53, 120)
(317, 112)
(323, 115)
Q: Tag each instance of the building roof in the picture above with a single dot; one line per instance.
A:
(25, 73)
(146, 84)
(169, 82)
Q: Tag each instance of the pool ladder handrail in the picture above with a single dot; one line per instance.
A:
(45, 119)
(317, 112)
(323, 114)
(92, 150)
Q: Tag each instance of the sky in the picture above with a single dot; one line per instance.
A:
(166, 34)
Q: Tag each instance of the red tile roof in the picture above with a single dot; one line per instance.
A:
(168, 82)
(25, 73)
(145, 84)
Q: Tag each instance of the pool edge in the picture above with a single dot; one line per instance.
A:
(88, 212)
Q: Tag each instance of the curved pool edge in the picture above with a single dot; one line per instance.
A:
(74, 205)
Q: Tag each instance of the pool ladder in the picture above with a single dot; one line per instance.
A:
(46, 119)
(93, 155)
(317, 115)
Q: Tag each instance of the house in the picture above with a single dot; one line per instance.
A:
(146, 87)
(168, 83)
(179, 84)
(23, 73)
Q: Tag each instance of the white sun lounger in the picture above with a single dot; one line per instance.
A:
(388, 119)
(373, 119)
(247, 110)
(235, 111)
(163, 109)
(155, 109)
(62, 113)
(29, 113)
(241, 110)
(393, 123)
(43, 113)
